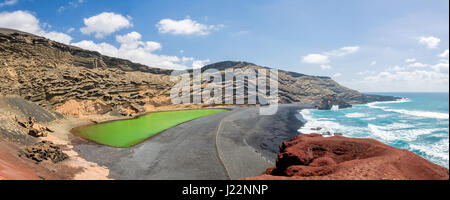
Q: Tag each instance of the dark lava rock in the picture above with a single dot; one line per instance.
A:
(44, 150)
(326, 133)
(34, 129)
(327, 102)
(372, 97)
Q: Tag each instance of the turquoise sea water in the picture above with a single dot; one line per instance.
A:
(419, 122)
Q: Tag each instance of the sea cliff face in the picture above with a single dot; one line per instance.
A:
(314, 157)
(51, 74)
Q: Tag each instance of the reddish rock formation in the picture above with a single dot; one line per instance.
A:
(314, 157)
(34, 129)
(13, 167)
(44, 150)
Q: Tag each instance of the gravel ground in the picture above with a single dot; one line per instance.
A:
(249, 143)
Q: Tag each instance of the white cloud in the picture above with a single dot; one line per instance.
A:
(373, 63)
(324, 58)
(70, 30)
(396, 68)
(431, 42)
(20, 20)
(406, 79)
(104, 48)
(412, 76)
(199, 63)
(325, 67)
(441, 67)
(315, 59)
(105, 24)
(444, 54)
(8, 3)
(133, 48)
(366, 72)
(57, 36)
(417, 64)
(405, 76)
(343, 51)
(186, 59)
(25, 21)
(409, 60)
(337, 75)
(185, 27)
(133, 41)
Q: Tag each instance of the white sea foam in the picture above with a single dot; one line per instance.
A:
(312, 123)
(373, 104)
(377, 131)
(399, 132)
(395, 126)
(369, 119)
(417, 113)
(438, 151)
(335, 107)
(405, 128)
(376, 103)
(384, 115)
(355, 115)
(325, 125)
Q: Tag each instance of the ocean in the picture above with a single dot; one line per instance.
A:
(418, 122)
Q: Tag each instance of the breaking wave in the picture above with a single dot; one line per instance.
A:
(355, 115)
(409, 126)
(417, 113)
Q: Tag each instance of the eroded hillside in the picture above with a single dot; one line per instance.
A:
(70, 80)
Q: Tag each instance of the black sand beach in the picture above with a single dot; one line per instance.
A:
(231, 145)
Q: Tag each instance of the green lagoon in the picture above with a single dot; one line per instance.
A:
(127, 133)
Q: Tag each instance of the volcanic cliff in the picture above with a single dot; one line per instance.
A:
(53, 74)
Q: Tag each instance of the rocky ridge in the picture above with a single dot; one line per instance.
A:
(51, 74)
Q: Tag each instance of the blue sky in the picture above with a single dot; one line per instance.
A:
(366, 45)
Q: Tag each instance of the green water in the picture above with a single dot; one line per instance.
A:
(126, 133)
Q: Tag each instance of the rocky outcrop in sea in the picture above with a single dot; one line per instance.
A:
(327, 103)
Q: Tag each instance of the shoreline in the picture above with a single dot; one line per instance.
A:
(92, 160)
(249, 143)
(199, 136)
(245, 146)
(368, 134)
(75, 132)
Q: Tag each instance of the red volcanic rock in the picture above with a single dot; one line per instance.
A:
(13, 167)
(314, 157)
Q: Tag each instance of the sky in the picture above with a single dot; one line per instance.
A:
(370, 46)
